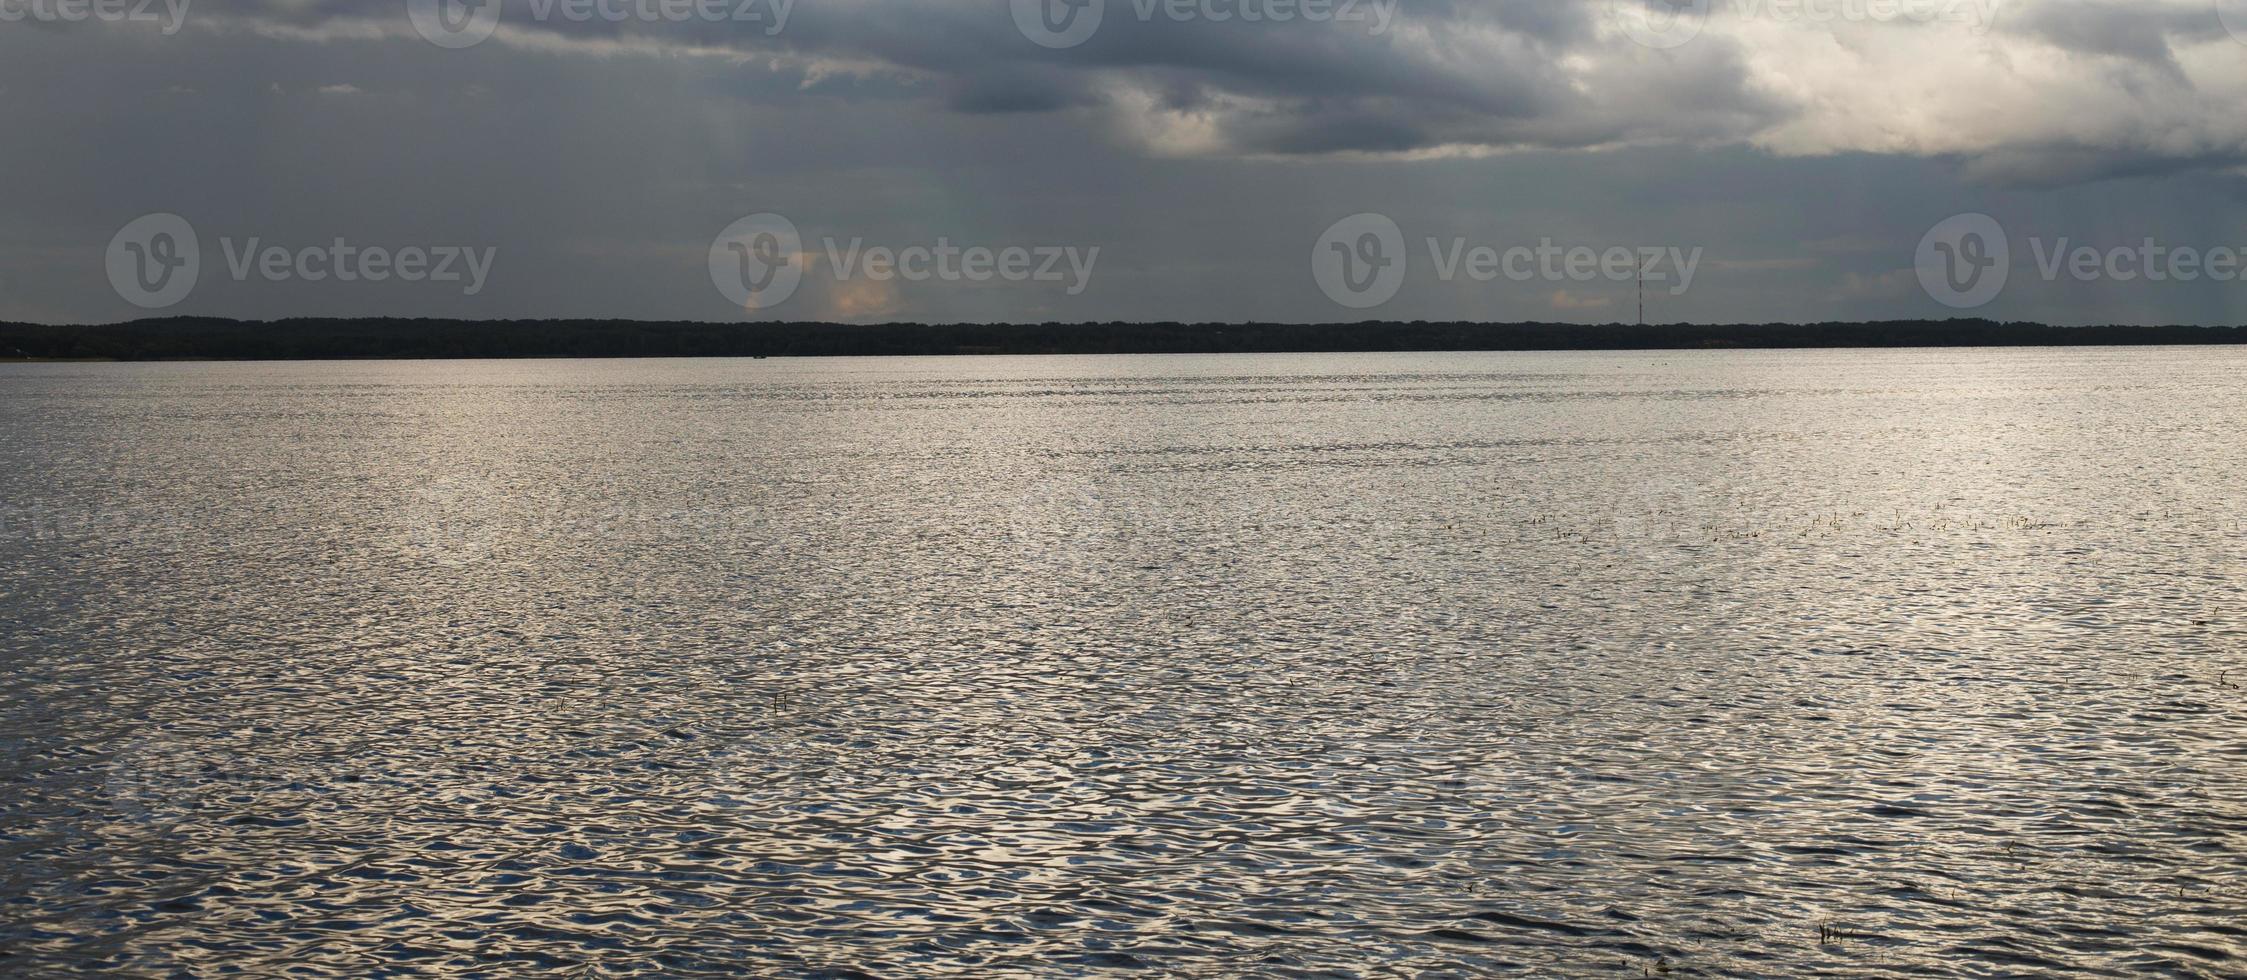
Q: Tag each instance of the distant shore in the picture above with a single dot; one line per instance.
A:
(198, 338)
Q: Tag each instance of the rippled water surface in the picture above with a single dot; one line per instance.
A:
(1761, 664)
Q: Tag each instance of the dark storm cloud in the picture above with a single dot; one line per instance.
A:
(1413, 78)
(1020, 88)
(2141, 32)
(599, 159)
(1439, 75)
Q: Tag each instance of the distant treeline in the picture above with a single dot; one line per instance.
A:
(205, 338)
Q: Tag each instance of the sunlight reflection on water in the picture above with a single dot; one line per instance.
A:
(1755, 663)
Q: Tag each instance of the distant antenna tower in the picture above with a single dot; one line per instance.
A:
(1640, 267)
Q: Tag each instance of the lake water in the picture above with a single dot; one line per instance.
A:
(1757, 663)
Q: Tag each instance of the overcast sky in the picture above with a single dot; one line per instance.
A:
(1804, 150)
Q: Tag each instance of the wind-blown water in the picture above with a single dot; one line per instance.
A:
(1714, 663)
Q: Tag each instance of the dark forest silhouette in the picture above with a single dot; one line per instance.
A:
(207, 338)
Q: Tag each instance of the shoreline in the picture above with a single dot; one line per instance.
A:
(207, 339)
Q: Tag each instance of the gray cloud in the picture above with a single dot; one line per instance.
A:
(1204, 158)
(2134, 78)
